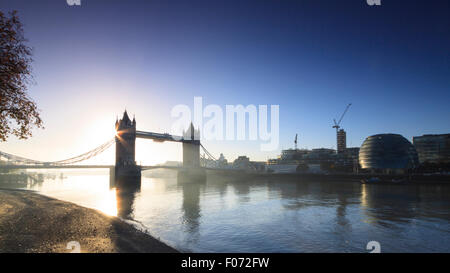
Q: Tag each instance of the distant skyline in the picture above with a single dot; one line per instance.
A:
(312, 58)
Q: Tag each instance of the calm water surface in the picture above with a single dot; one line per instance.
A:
(268, 215)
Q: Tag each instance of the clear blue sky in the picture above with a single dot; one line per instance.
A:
(310, 57)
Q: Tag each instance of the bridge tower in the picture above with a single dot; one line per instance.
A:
(125, 147)
(191, 170)
(191, 148)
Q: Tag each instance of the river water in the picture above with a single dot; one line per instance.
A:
(226, 215)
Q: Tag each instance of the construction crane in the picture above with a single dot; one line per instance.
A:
(340, 134)
(337, 124)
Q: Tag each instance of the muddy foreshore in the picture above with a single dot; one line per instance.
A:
(30, 222)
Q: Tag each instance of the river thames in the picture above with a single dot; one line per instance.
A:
(266, 215)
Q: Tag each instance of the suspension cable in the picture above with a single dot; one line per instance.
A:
(208, 153)
(76, 159)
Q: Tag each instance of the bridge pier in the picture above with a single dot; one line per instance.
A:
(112, 177)
(191, 154)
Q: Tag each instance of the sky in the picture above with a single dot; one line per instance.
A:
(310, 57)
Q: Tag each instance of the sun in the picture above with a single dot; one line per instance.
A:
(97, 132)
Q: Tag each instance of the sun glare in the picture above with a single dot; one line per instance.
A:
(95, 133)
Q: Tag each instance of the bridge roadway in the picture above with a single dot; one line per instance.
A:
(158, 136)
(163, 137)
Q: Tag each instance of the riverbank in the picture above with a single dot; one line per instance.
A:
(30, 222)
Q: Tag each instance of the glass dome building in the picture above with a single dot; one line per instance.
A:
(387, 153)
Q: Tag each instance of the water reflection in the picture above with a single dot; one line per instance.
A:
(126, 190)
(228, 214)
(394, 204)
(341, 212)
(23, 180)
(191, 205)
(106, 203)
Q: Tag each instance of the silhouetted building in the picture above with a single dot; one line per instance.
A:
(291, 159)
(320, 155)
(341, 141)
(259, 166)
(242, 162)
(433, 148)
(352, 153)
(348, 160)
(387, 153)
(293, 154)
(222, 161)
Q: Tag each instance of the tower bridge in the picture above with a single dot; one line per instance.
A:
(125, 139)
(125, 161)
